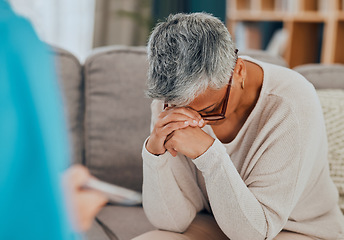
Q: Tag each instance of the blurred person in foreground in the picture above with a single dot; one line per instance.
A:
(33, 144)
(242, 139)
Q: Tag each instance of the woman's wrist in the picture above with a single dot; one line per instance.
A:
(151, 150)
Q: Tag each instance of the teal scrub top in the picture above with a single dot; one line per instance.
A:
(33, 140)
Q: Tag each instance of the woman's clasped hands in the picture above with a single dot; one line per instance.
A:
(178, 130)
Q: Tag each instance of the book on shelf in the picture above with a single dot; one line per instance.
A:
(290, 6)
(324, 6)
(281, 5)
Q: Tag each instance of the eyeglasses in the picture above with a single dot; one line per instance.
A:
(222, 114)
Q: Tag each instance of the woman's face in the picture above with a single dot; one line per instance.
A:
(223, 101)
(210, 102)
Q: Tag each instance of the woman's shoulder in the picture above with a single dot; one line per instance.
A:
(282, 81)
(289, 87)
(293, 97)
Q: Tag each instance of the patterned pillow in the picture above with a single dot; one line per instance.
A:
(332, 102)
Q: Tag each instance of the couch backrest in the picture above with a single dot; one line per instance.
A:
(329, 82)
(264, 57)
(332, 102)
(117, 114)
(70, 75)
(323, 76)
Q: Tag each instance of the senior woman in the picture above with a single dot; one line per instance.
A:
(237, 137)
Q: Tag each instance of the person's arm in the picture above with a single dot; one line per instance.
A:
(84, 204)
(32, 136)
(257, 204)
(171, 196)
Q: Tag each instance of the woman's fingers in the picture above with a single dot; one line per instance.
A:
(172, 151)
(192, 114)
(169, 128)
(178, 117)
(169, 147)
(170, 120)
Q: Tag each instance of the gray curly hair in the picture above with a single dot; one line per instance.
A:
(187, 54)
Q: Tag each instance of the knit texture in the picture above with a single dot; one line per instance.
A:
(332, 102)
(274, 175)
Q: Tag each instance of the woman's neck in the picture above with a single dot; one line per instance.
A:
(251, 89)
(230, 127)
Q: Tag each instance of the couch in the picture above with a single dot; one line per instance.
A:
(109, 119)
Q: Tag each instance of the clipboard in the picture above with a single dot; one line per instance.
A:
(116, 194)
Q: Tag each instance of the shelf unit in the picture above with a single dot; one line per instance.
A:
(315, 27)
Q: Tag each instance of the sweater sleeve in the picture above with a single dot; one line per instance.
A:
(256, 203)
(171, 195)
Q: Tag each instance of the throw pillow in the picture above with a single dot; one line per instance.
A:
(332, 102)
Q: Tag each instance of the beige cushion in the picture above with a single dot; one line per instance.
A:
(332, 101)
(117, 114)
(68, 71)
(264, 57)
(323, 76)
(125, 222)
(96, 232)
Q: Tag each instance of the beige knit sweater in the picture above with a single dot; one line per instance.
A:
(274, 175)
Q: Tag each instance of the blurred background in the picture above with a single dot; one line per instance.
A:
(301, 31)
(81, 25)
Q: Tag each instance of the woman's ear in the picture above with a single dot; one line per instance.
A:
(239, 73)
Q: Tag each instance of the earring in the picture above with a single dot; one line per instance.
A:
(243, 83)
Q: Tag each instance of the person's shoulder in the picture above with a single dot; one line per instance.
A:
(288, 84)
(9, 20)
(17, 32)
(291, 91)
(280, 79)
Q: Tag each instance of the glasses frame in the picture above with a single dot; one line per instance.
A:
(222, 114)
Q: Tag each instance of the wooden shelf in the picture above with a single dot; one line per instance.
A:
(340, 16)
(256, 16)
(307, 17)
(310, 5)
(339, 53)
(315, 27)
(268, 5)
(304, 40)
(242, 5)
(340, 5)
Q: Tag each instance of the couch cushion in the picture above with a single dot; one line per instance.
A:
(264, 56)
(117, 116)
(323, 76)
(125, 222)
(96, 232)
(332, 102)
(69, 75)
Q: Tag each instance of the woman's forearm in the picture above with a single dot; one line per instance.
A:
(171, 197)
